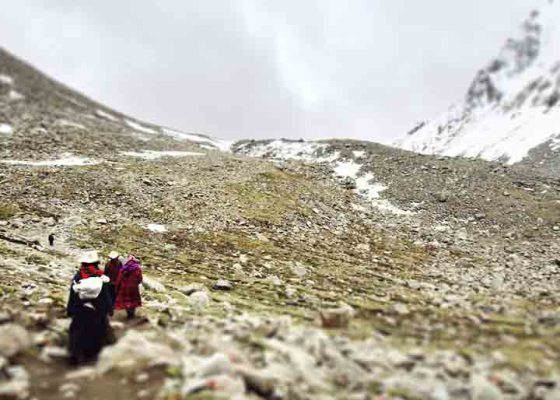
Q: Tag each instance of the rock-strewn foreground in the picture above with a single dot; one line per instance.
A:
(273, 279)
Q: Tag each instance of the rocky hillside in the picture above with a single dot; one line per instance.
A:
(511, 111)
(43, 119)
(279, 270)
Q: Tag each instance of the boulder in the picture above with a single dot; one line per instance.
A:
(274, 280)
(199, 300)
(153, 285)
(336, 317)
(259, 382)
(192, 288)
(483, 389)
(134, 352)
(13, 339)
(299, 269)
(222, 284)
(17, 387)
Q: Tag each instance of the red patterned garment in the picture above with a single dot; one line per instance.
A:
(127, 285)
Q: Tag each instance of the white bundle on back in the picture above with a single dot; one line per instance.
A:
(89, 288)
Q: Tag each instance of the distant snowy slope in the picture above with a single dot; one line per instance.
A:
(511, 107)
(347, 166)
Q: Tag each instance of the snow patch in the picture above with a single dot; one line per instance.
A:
(153, 155)
(64, 122)
(138, 127)
(291, 150)
(68, 160)
(106, 115)
(347, 169)
(368, 189)
(371, 190)
(6, 129)
(555, 144)
(6, 79)
(316, 152)
(207, 142)
(14, 95)
(157, 228)
(358, 154)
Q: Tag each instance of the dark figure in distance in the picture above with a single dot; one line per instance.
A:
(51, 239)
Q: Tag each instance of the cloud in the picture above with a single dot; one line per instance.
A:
(263, 68)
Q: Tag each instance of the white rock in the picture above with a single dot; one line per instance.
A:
(290, 291)
(199, 300)
(191, 288)
(52, 352)
(81, 374)
(153, 285)
(135, 351)
(400, 309)
(482, 389)
(46, 301)
(337, 317)
(299, 269)
(222, 284)
(216, 364)
(273, 279)
(143, 377)
(363, 247)
(18, 385)
(13, 339)
(69, 390)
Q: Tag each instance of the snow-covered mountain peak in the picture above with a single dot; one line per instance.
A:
(512, 105)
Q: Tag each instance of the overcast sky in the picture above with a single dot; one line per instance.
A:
(365, 69)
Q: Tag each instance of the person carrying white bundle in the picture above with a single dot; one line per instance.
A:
(89, 305)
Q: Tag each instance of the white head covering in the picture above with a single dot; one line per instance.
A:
(89, 257)
(114, 254)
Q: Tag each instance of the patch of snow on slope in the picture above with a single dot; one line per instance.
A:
(157, 228)
(153, 155)
(223, 145)
(65, 122)
(14, 95)
(371, 190)
(6, 129)
(555, 144)
(316, 152)
(347, 169)
(367, 188)
(138, 127)
(68, 160)
(292, 150)
(358, 154)
(106, 115)
(6, 79)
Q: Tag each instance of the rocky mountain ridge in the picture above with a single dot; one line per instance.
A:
(511, 111)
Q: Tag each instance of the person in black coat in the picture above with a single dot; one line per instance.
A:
(90, 323)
